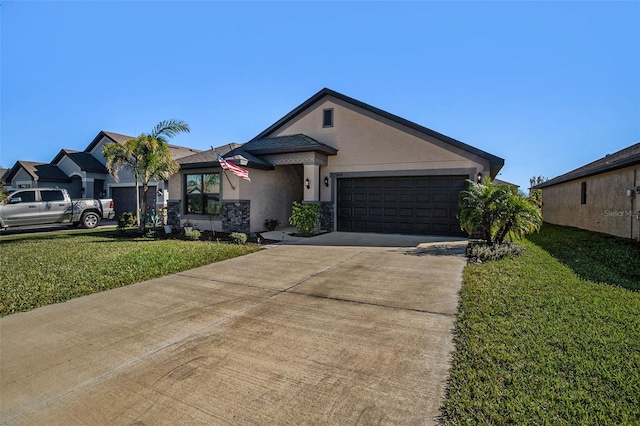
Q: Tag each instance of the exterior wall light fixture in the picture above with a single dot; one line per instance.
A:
(307, 183)
(326, 181)
(479, 178)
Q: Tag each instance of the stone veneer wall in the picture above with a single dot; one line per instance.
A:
(235, 216)
(326, 216)
(173, 213)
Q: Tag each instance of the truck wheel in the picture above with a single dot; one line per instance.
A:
(89, 220)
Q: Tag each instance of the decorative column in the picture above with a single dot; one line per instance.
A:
(312, 180)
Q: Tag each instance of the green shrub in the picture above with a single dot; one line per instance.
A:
(271, 224)
(304, 217)
(126, 220)
(238, 237)
(193, 235)
(483, 252)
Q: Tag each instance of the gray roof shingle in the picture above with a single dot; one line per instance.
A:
(285, 144)
(177, 151)
(84, 160)
(38, 171)
(208, 158)
(495, 161)
(623, 158)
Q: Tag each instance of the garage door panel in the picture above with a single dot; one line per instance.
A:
(411, 205)
(441, 198)
(124, 199)
(441, 183)
(375, 197)
(423, 183)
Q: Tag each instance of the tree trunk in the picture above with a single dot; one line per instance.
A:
(143, 205)
(137, 202)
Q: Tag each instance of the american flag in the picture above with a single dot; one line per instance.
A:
(241, 173)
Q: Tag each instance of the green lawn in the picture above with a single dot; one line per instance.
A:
(37, 270)
(551, 337)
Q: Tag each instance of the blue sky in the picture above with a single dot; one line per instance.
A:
(548, 86)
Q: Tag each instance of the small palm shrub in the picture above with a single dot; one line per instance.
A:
(193, 235)
(499, 212)
(126, 220)
(238, 237)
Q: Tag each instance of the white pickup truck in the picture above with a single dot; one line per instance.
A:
(42, 206)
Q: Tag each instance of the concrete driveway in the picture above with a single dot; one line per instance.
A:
(318, 332)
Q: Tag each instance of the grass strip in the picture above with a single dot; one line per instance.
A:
(39, 270)
(538, 344)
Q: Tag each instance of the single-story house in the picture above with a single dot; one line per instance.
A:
(31, 174)
(371, 171)
(601, 196)
(84, 174)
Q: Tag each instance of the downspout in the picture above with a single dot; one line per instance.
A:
(631, 216)
(635, 195)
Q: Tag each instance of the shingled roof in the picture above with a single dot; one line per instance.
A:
(38, 171)
(495, 162)
(208, 158)
(626, 157)
(84, 160)
(177, 151)
(286, 144)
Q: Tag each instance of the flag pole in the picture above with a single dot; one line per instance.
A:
(224, 172)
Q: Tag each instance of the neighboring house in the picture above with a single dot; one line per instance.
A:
(601, 196)
(500, 182)
(30, 174)
(371, 171)
(2, 181)
(123, 191)
(84, 174)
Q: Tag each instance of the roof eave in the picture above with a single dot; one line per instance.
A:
(631, 161)
(313, 148)
(495, 161)
(215, 164)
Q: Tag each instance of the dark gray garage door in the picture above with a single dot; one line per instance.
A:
(124, 199)
(423, 205)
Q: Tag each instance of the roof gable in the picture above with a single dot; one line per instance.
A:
(114, 137)
(232, 151)
(623, 158)
(285, 144)
(38, 171)
(495, 161)
(176, 150)
(86, 161)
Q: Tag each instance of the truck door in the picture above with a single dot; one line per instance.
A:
(22, 209)
(54, 207)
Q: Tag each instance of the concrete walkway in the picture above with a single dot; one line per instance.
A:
(337, 329)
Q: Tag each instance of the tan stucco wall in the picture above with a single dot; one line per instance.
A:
(369, 143)
(271, 193)
(608, 208)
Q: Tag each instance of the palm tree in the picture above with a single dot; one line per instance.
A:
(479, 209)
(3, 194)
(519, 218)
(147, 156)
(497, 212)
